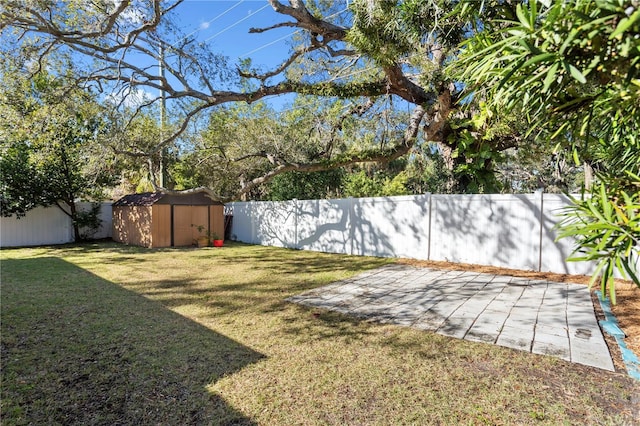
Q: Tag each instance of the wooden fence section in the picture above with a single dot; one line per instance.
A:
(514, 231)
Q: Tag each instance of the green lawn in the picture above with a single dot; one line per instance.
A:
(109, 334)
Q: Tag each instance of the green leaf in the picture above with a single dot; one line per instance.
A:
(606, 204)
(539, 58)
(604, 240)
(630, 270)
(612, 291)
(575, 73)
(625, 24)
(568, 40)
(523, 16)
(551, 77)
(594, 277)
(576, 159)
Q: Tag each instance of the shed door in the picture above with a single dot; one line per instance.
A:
(183, 218)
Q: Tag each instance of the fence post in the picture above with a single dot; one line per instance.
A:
(351, 227)
(295, 223)
(430, 195)
(541, 227)
(253, 223)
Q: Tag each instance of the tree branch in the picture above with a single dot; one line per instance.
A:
(400, 149)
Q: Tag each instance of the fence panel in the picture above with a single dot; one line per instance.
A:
(274, 224)
(47, 225)
(106, 220)
(391, 226)
(242, 224)
(496, 230)
(323, 225)
(40, 226)
(513, 231)
(554, 253)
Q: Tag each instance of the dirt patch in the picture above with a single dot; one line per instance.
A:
(627, 309)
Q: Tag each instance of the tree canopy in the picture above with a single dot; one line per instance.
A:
(368, 57)
(49, 147)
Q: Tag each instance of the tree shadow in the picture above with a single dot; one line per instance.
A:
(78, 349)
(514, 231)
(485, 229)
(386, 227)
(289, 272)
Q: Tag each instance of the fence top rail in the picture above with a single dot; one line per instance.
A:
(536, 195)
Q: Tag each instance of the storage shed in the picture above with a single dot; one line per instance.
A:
(154, 219)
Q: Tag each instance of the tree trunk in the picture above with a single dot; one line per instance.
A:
(74, 221)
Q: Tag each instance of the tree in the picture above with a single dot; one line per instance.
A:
(20, 183)
(573, 68)
(373, 56)
(48, 155)
(295, 185)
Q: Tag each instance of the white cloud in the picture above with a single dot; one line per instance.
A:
(204, 25)
(130, 97)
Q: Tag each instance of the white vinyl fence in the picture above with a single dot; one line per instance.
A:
(514, 231)
(48, 225)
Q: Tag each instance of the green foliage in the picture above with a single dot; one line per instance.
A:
(89, 221)
(427, 172)
(607, 228)
(50, 153)
(316, 185)
(397, 185)
(20, 182)
(388, 30)
(572, 68)
(475, 173)
(360, 184)
(381, 31)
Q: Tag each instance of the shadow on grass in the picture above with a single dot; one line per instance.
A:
(236, 277)
(78, 349)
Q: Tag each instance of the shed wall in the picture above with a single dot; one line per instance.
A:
(216, 220)
(132, 225)
(186, 219)
(161, 225)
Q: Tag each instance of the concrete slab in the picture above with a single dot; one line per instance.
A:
(541, 317)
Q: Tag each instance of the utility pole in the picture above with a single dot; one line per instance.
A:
(163, 107)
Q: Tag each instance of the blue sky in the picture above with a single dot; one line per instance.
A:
(225, 25)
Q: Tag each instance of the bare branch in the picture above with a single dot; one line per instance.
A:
(262, 77)
(400, 149)
(307, 21)
(280, 25)
(211, 194)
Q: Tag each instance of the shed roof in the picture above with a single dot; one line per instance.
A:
(150, 198)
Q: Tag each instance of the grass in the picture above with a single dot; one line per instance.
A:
(109, 334)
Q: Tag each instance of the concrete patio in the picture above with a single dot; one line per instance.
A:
(541, 317)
